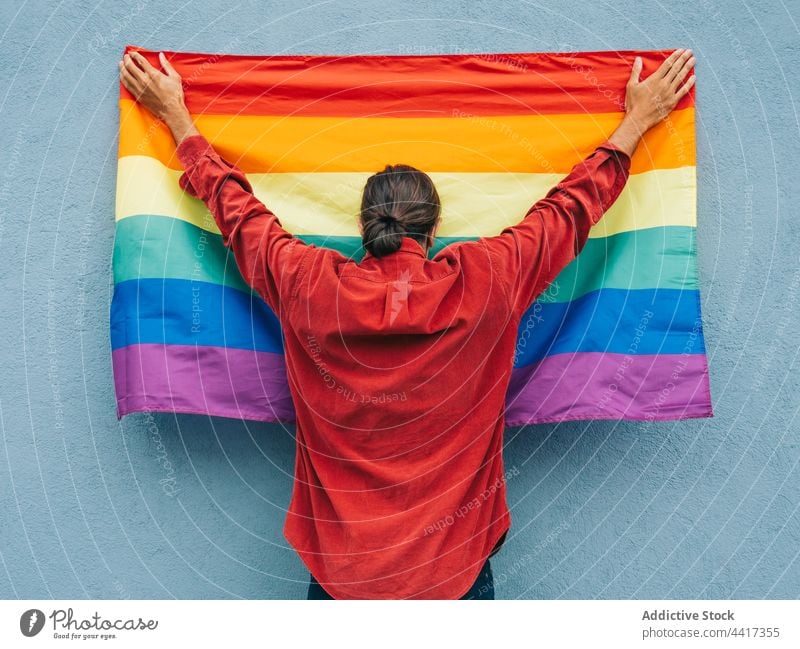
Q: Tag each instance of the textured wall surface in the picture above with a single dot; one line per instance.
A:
(164, 506)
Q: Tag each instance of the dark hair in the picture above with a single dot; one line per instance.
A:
(398, 201)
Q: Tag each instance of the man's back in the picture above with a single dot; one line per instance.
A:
(398, 369)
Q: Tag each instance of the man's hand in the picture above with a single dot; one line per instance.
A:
(160, 93)
(650, 101)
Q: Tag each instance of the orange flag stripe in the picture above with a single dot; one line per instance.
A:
(535, 143)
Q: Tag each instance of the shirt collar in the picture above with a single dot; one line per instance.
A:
(408, 244)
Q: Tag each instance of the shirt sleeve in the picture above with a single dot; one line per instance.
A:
(528, 256)
(269, 258)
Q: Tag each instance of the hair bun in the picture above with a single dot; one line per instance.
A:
(398, 202)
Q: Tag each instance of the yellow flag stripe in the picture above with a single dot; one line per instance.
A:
(473, 204)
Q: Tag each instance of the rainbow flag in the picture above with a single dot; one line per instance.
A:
(618, 335)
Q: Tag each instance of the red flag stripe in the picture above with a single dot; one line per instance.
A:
(407, 85)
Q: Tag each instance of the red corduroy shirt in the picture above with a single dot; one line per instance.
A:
(398, 369)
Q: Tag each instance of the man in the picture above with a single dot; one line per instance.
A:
(399, 365)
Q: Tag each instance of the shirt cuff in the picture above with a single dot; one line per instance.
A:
(623, 158)
(191, 148)
(189, 151)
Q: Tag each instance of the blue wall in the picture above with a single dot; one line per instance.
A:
(163, 506)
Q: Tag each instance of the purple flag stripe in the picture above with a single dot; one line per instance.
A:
(217, 381)
(597, 385)
(245, 384)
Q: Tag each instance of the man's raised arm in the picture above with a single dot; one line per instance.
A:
(268, 256)
(529, 255)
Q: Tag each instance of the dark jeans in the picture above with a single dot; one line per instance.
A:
(483, 588)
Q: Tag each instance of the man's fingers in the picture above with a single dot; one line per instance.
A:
(144, 64)
(681, 75)
(636, 70)
(686, 87)
(167, 65)
(127, 80)
(667, 64)
(134, 70)
(131, 84)
(678, 65)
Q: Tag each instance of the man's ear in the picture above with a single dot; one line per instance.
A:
(432, 235)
